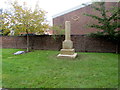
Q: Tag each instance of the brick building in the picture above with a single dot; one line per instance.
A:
(78, 19)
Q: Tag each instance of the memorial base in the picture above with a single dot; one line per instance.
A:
(67, 56)
(68, 53)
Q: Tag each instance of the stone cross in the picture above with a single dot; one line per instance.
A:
(67, 44)
(67, 30)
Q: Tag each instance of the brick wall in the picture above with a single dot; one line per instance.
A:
(46, 42)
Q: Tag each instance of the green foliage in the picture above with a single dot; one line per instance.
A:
(5, 30)
(58, 30)
(108, 25)
(27, 20)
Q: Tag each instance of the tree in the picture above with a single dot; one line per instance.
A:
(26, 20)
(108, 25)
(4, 23)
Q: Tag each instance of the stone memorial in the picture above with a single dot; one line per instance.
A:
(67, 46)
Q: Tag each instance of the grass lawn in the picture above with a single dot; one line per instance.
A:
(42, 69)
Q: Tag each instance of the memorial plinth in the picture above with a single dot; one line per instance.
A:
(67, 46)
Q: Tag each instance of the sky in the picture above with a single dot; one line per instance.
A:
(53, 7)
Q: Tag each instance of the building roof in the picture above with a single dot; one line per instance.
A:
(72, 9)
